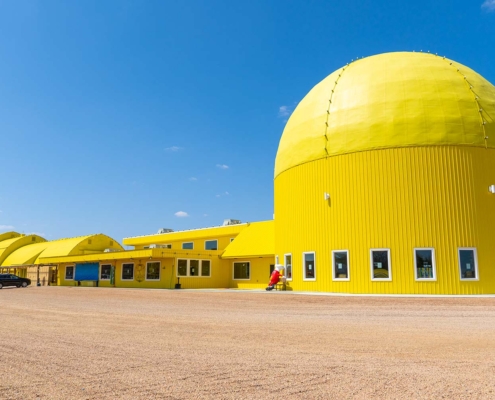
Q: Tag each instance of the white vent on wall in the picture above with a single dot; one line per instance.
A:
(110, 250)
(165, 230)
(491, 189)
(227, 222)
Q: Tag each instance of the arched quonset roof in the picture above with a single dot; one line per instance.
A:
(390, 100)
(9, 235)
(25, 255)
(80, 245)
(9, 246)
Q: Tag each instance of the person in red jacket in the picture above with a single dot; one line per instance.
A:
(274, 278)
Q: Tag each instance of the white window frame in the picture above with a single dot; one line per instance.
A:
(211, 240)
(389, 279)
(201, 268)
(276, 260)
(177, 268)
(291, 267)
(133, 272)
(73, 272)
(476, 270)
(183, 243)
(188, 268)
(304, 266)
(433, 266)
(101, 266)
(334, 278)
(241, 262)
(159, 271)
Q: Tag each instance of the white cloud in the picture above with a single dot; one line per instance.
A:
(181, 214)
(205, 215)
(284, 111)
(488, 5)
(6, 227)
(218, 195)
(222, 166)
(193, 179)
(173, 149)
(226, 193)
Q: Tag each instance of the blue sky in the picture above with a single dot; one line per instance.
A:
(123, 117)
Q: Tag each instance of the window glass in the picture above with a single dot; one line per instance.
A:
(153, 270)
(340, 265)
(468, 264)
(128, 271)
(424, 264)
(380, 264)
(188, 246)
(205, 267)
(69, 272)
(193, 267)
(288, 266)
(105, 271)
(309, 266)
(181, 267)
(241, 270)
(211, 245)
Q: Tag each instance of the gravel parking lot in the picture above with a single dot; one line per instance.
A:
(97, 343)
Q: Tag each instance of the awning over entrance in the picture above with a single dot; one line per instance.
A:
(257, 240)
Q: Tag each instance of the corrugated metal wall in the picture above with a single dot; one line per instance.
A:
(398, 199)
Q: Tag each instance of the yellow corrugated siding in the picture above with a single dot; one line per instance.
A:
(394, 198)
(198, 235)
(386, 101)
(258, 239)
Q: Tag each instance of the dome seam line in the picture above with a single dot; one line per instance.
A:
(476, 98)
(330, 106)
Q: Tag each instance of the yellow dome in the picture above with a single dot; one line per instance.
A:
(390, 100)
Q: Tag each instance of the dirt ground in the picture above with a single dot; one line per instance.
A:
(97, 343)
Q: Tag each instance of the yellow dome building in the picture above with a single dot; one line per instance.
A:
(384, 180)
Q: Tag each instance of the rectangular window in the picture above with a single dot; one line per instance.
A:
(288, 266)
(205, 268)
(340, 260)
(69, 272)
(424, 264)
(181, 267)
(241, 271)
(211, 245)
(380, 265)
(468, 263)
(153, 271)
(105, 272)
(193, 267)
(128, 272)
(309, 266)
(188, 246)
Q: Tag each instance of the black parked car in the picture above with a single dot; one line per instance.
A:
(13, 280)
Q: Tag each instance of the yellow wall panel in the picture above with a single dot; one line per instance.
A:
(399, 199)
